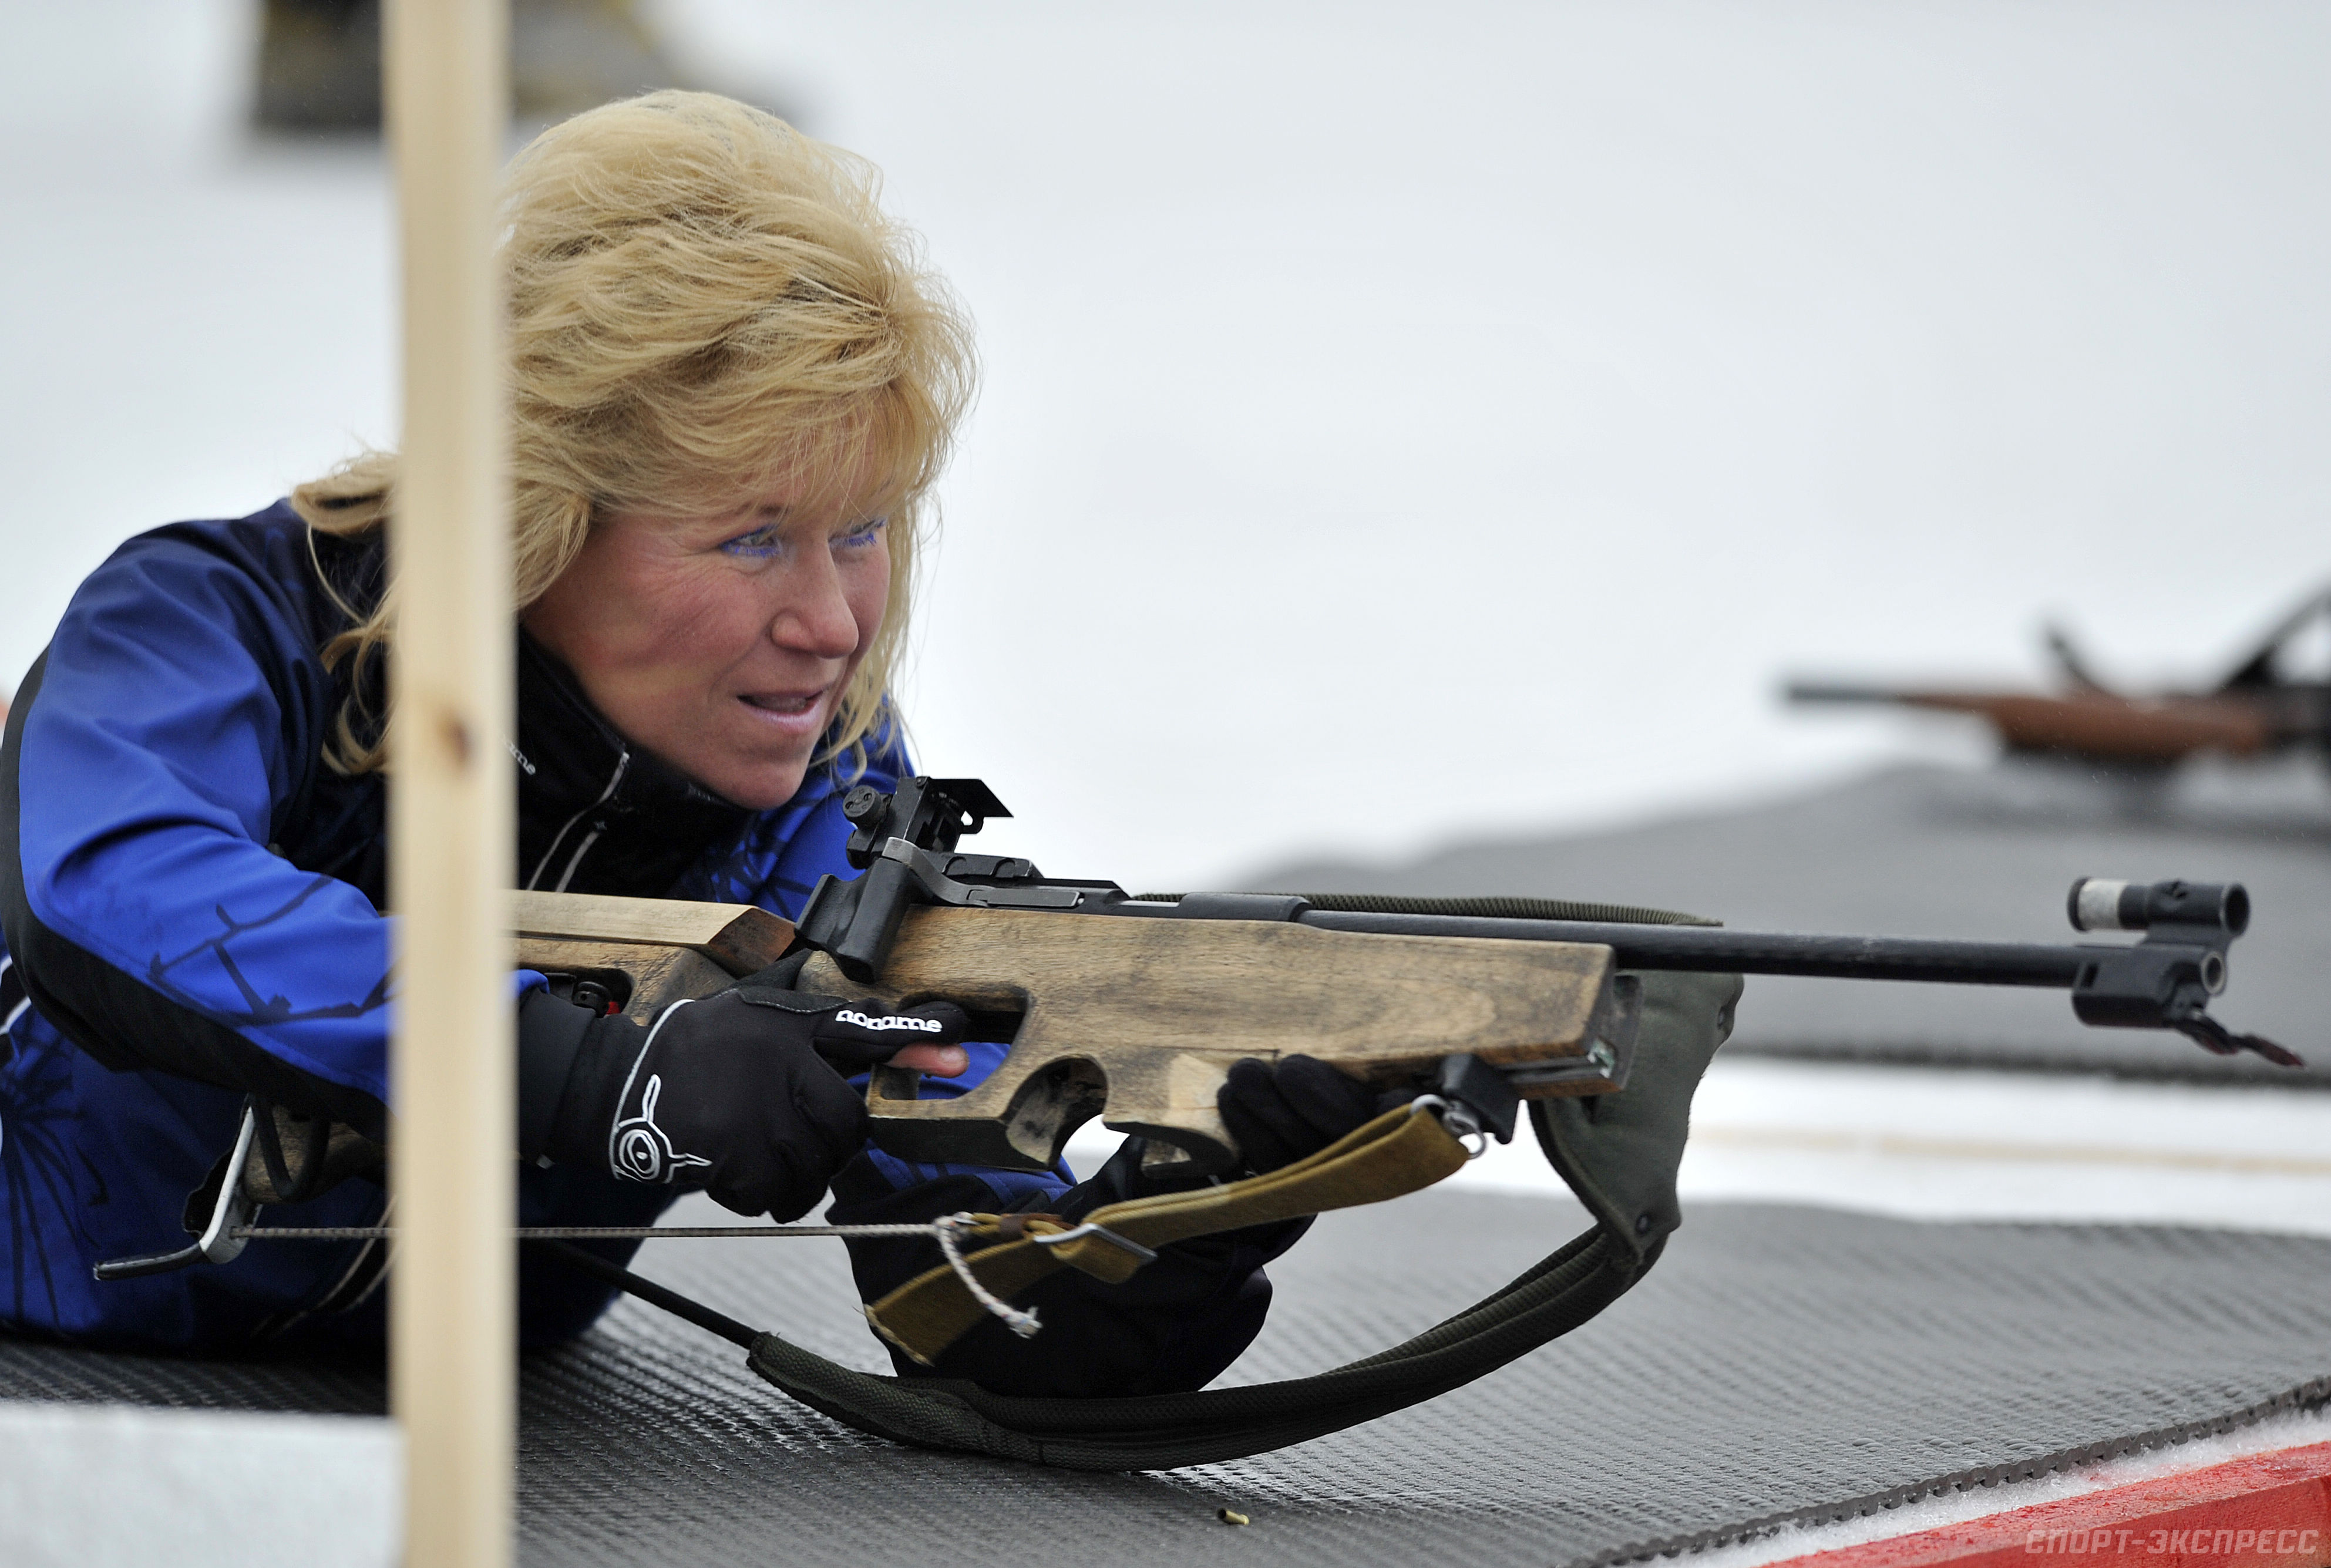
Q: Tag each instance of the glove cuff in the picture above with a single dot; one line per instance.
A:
(550, 1031)
(584, 1106)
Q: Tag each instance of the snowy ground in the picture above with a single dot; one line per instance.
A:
(1948, 1144)
(1952, 1144)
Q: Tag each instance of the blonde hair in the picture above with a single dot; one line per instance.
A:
(701, 298)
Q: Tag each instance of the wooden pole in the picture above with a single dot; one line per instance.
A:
(452, 1330)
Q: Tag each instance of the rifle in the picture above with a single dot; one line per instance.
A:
(2098, 724)
(1134, 1009)
(2263, 704)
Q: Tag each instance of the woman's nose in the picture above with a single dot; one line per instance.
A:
(815, 617)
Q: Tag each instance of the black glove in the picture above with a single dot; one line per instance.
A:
(1289, 1111)
(1173, 1328)
(1179, 1321)
(740, 1094)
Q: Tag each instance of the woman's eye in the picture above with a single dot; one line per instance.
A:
(762, 541)
(860, 537)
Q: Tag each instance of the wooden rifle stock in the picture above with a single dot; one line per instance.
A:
(646, 953)
(1138, 1021)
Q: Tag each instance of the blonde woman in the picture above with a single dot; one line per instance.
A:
(734, 385)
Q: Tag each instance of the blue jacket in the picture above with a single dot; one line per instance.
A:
(190, 904)
(191, 899)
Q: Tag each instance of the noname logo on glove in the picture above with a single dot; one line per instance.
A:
(893, 1020)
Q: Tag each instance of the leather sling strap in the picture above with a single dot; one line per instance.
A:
(1402, 1151)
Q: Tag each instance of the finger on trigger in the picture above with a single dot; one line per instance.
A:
(940, 1060)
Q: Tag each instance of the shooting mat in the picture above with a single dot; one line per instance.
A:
(1780, 1363)
(1933, 852)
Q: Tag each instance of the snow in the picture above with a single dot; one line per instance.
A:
(1936, 1143)
(126, 1487)
(1948, 1144)
(1368, 388)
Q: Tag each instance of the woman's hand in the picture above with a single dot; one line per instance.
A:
(740, 1094)
(1290, 1110)
(938, 1061)
(1177, 1323)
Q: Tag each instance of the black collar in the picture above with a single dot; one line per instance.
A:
(595, 812)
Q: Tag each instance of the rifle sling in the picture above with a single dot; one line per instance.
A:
(1400, 1152)
(1163, 1431)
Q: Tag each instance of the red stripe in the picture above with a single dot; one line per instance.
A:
(2268, 1511)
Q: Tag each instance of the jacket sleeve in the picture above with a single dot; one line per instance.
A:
(148, 763)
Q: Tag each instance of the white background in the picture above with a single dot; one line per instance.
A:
(1399, 421)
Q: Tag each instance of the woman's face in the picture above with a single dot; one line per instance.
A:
(723, 644)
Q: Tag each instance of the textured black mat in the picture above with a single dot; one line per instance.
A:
(1930, 851)
(1780, 1362)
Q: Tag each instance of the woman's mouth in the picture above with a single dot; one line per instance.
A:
(787, 709)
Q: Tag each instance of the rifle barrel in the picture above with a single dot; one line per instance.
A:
(1714, 948)
(1843, 691)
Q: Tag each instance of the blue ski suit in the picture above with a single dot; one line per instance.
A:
(190, 900)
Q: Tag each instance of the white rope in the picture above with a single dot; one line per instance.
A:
(1022, 1324)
